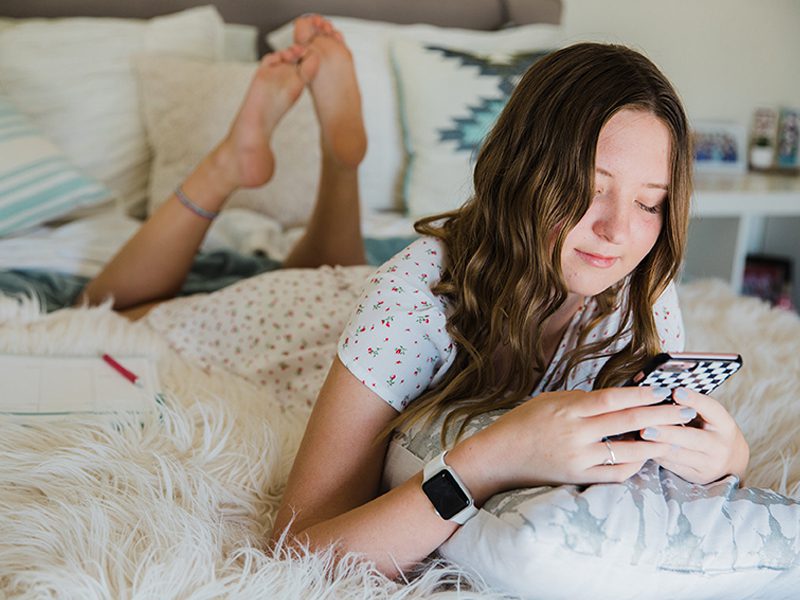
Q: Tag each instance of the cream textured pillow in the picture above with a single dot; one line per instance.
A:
(188, 107)
(74, 77)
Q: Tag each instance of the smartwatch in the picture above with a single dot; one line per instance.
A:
(450, 497)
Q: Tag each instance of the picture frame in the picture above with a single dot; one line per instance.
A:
(788, 139)
(720, 147)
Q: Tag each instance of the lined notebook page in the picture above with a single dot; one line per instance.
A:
(63, 385)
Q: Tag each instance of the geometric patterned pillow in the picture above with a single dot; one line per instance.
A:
(449, 100)
(37, 182)
(652, 536)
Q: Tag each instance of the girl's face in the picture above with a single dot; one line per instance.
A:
(632, 172)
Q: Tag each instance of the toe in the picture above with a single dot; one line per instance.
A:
(305, 28)
(271, 59)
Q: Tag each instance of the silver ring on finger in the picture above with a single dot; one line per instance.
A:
(612, 459)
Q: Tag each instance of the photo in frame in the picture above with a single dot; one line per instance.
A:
(720, 147)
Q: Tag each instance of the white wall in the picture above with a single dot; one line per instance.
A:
(725, 57)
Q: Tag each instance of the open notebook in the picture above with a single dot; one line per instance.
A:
(55, 387)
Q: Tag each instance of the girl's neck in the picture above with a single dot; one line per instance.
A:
(556, 324)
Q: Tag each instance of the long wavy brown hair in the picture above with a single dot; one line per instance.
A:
(533, 182)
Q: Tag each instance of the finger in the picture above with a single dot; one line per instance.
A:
(684, 460)
(612, 473)
(688, 472)
(688, 438)
(619, 452)
(635, 419)
(608, 400)
(712, 411)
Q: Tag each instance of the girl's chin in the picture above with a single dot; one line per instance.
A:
(586, 288)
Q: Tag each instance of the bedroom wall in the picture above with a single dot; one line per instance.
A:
(724, 56)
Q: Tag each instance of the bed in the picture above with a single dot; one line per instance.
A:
(178, 502)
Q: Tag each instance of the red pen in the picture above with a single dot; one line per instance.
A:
(132, 377)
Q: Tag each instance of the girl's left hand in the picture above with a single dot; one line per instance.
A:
(702, 454)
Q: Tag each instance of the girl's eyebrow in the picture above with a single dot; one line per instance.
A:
(657, 186)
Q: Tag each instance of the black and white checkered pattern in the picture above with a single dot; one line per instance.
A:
(704, 378)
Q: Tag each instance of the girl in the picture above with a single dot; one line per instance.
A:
(155, 261)
(552, 285)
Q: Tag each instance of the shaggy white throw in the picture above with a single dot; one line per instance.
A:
(179, 506)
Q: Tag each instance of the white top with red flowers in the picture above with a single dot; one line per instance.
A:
(396, 342)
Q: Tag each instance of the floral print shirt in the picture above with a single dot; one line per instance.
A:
(396, 342)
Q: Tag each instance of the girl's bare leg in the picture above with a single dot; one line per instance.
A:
(333, 234)
(154, 263)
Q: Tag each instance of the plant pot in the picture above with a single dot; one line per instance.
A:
(761, 157)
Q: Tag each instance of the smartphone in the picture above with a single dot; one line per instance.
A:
(699, 371)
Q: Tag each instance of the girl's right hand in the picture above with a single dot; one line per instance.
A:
(560, 438)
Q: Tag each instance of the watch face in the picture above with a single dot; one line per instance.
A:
(445, 494)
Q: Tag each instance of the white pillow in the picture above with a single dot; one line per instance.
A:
(37, 182)
(654, 536)
(240, 42)
(450, 97)
(74, 77)
(188, 107)
(381, 173)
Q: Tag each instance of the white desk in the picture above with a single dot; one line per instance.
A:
(734, 215)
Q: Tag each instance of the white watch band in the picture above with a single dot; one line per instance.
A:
(437, 465)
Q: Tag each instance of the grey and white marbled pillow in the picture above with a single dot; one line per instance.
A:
(655, 535)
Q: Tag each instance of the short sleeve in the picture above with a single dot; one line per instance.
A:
(669, 321)
(396, 342)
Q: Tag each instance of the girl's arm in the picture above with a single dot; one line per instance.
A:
(332, 493)
(153, 264)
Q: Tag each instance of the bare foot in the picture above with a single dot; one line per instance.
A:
(328, 69)
(276, 86)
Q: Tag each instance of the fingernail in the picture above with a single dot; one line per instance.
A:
(650, 433)
(681, 394)
(661, 392)
(688, 413)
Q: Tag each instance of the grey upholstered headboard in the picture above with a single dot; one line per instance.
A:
(270, 14)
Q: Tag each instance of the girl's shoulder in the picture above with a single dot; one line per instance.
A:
(420, 263)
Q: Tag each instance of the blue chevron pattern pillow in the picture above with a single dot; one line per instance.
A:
(449, 100)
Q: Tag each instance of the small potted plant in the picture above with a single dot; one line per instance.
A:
(761, 153)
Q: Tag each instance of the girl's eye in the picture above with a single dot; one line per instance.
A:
(653, 210)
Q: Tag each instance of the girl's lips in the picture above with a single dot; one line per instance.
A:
(597, 260)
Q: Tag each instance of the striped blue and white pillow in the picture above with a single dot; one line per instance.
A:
(37, 182)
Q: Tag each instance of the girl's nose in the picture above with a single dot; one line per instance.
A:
(612, 221)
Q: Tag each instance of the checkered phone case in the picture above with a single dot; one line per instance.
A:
(704, 373)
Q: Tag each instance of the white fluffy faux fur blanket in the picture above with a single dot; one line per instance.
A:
(179, 506)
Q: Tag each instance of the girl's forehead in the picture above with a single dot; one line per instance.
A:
(635, 143)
